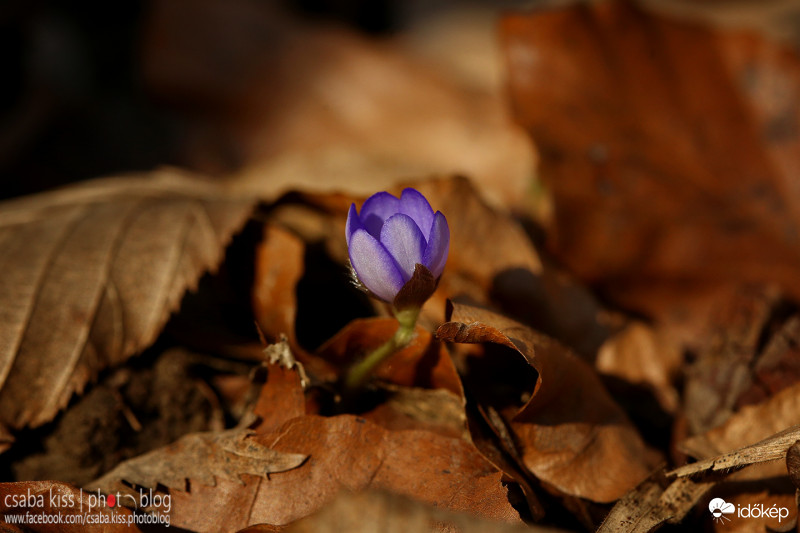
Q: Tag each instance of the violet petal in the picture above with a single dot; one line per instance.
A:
(413, 204)
(353, 223)
(403, 239)
(435, 255)
(376, 210)
(374, 266)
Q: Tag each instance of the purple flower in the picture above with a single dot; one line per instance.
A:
(391, 236)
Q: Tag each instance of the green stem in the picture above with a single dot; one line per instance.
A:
(358, 373)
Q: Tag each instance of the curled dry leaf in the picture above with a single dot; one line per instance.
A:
(731, 444)
(669, 147)
(91, 274)
(52, 498)
(570, 430)
(202, 458)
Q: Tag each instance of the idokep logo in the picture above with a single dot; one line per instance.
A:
(719, 508)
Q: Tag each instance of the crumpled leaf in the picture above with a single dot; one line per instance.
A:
(670, 150)
(202, 458)
(53, 498)
(91, 274)
(570, 427)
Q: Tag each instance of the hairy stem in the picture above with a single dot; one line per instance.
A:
(360, 372)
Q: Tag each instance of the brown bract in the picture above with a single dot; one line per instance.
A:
(90, 275)
(670, 148)
(571, 434)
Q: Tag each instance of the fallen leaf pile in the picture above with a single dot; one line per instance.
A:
(613, 345)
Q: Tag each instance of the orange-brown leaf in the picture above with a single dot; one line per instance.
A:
(570, 429)
(669, 147)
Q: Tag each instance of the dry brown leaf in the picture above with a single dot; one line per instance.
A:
(344, 451)
(279, 266)
(91, 274)
(777, 365)
(642, 355)
(723, 369)
(670, 150)
(281, 398)
(353, 453)
(52, 498)
(202, 458)
(319, 108)
(731, 444)
(373, 511)
(436, 410)
(570, 429)
(651, 504)
(770, 449)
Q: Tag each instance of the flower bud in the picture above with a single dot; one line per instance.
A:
(398, 247)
